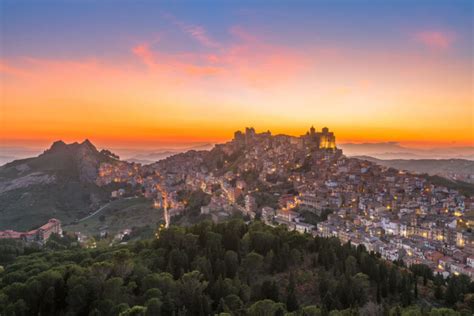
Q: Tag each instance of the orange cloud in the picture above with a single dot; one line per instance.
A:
(435, 39)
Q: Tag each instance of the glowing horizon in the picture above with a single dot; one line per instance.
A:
(179, 74)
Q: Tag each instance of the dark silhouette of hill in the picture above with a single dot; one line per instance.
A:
(58, 183)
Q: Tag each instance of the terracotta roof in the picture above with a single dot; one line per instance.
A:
(10, 234)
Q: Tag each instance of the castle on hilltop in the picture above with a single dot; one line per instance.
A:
(250, 136)
(323, 140)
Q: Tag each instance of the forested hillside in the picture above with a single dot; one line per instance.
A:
(231, 268)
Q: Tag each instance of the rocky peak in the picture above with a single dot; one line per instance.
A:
(83, 156)
(57, 146)
(87, 144)
(86, 147)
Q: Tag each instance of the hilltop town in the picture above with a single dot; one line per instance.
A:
(283, 218)
(307, 184)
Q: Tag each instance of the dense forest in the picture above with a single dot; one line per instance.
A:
(231, 268)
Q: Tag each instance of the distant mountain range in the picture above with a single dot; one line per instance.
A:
(10, 153)
(393, 150)
(455, 169)
(58, 183)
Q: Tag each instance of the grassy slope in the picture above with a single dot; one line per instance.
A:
(25, 208)
(119, 215)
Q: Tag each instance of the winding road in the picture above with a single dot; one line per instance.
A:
(101, 209)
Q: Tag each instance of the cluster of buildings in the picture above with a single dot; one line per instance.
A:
(399, 215)
(119, 171)
(39, 235)
(293, 180)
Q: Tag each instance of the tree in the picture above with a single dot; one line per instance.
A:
(20, 308)
(457, 287)
(269, 290)
(192, 295)
(178, 262)
(451, 295)
(423, 271)
(134, 311)
(265, 308)
(416, 288)
(438, 282)
(231, 263)
(443, 312)
(153, 293)
(153, 307)
(291, 301)
(392, 280)
(405, 289)
(438, 292)
(412, 311)
(251, 266)
(48, 302)
(371, 309)
(227, 275)
(77, 298)
(113, 289)
(233, 303)
(311, 311)
(119, 309)
(351, 265)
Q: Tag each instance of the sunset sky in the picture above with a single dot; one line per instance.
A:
(139, 73)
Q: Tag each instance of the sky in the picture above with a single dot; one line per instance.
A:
(155, 73)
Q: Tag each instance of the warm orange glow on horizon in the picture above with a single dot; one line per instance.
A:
(154, 97)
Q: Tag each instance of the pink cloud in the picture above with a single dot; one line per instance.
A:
(240, 33)
(246, 58)
(212, 58)
(173, 63)
(435, 39)
(145, 54)
(13, 71)
(200, 34)
(197, 32)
